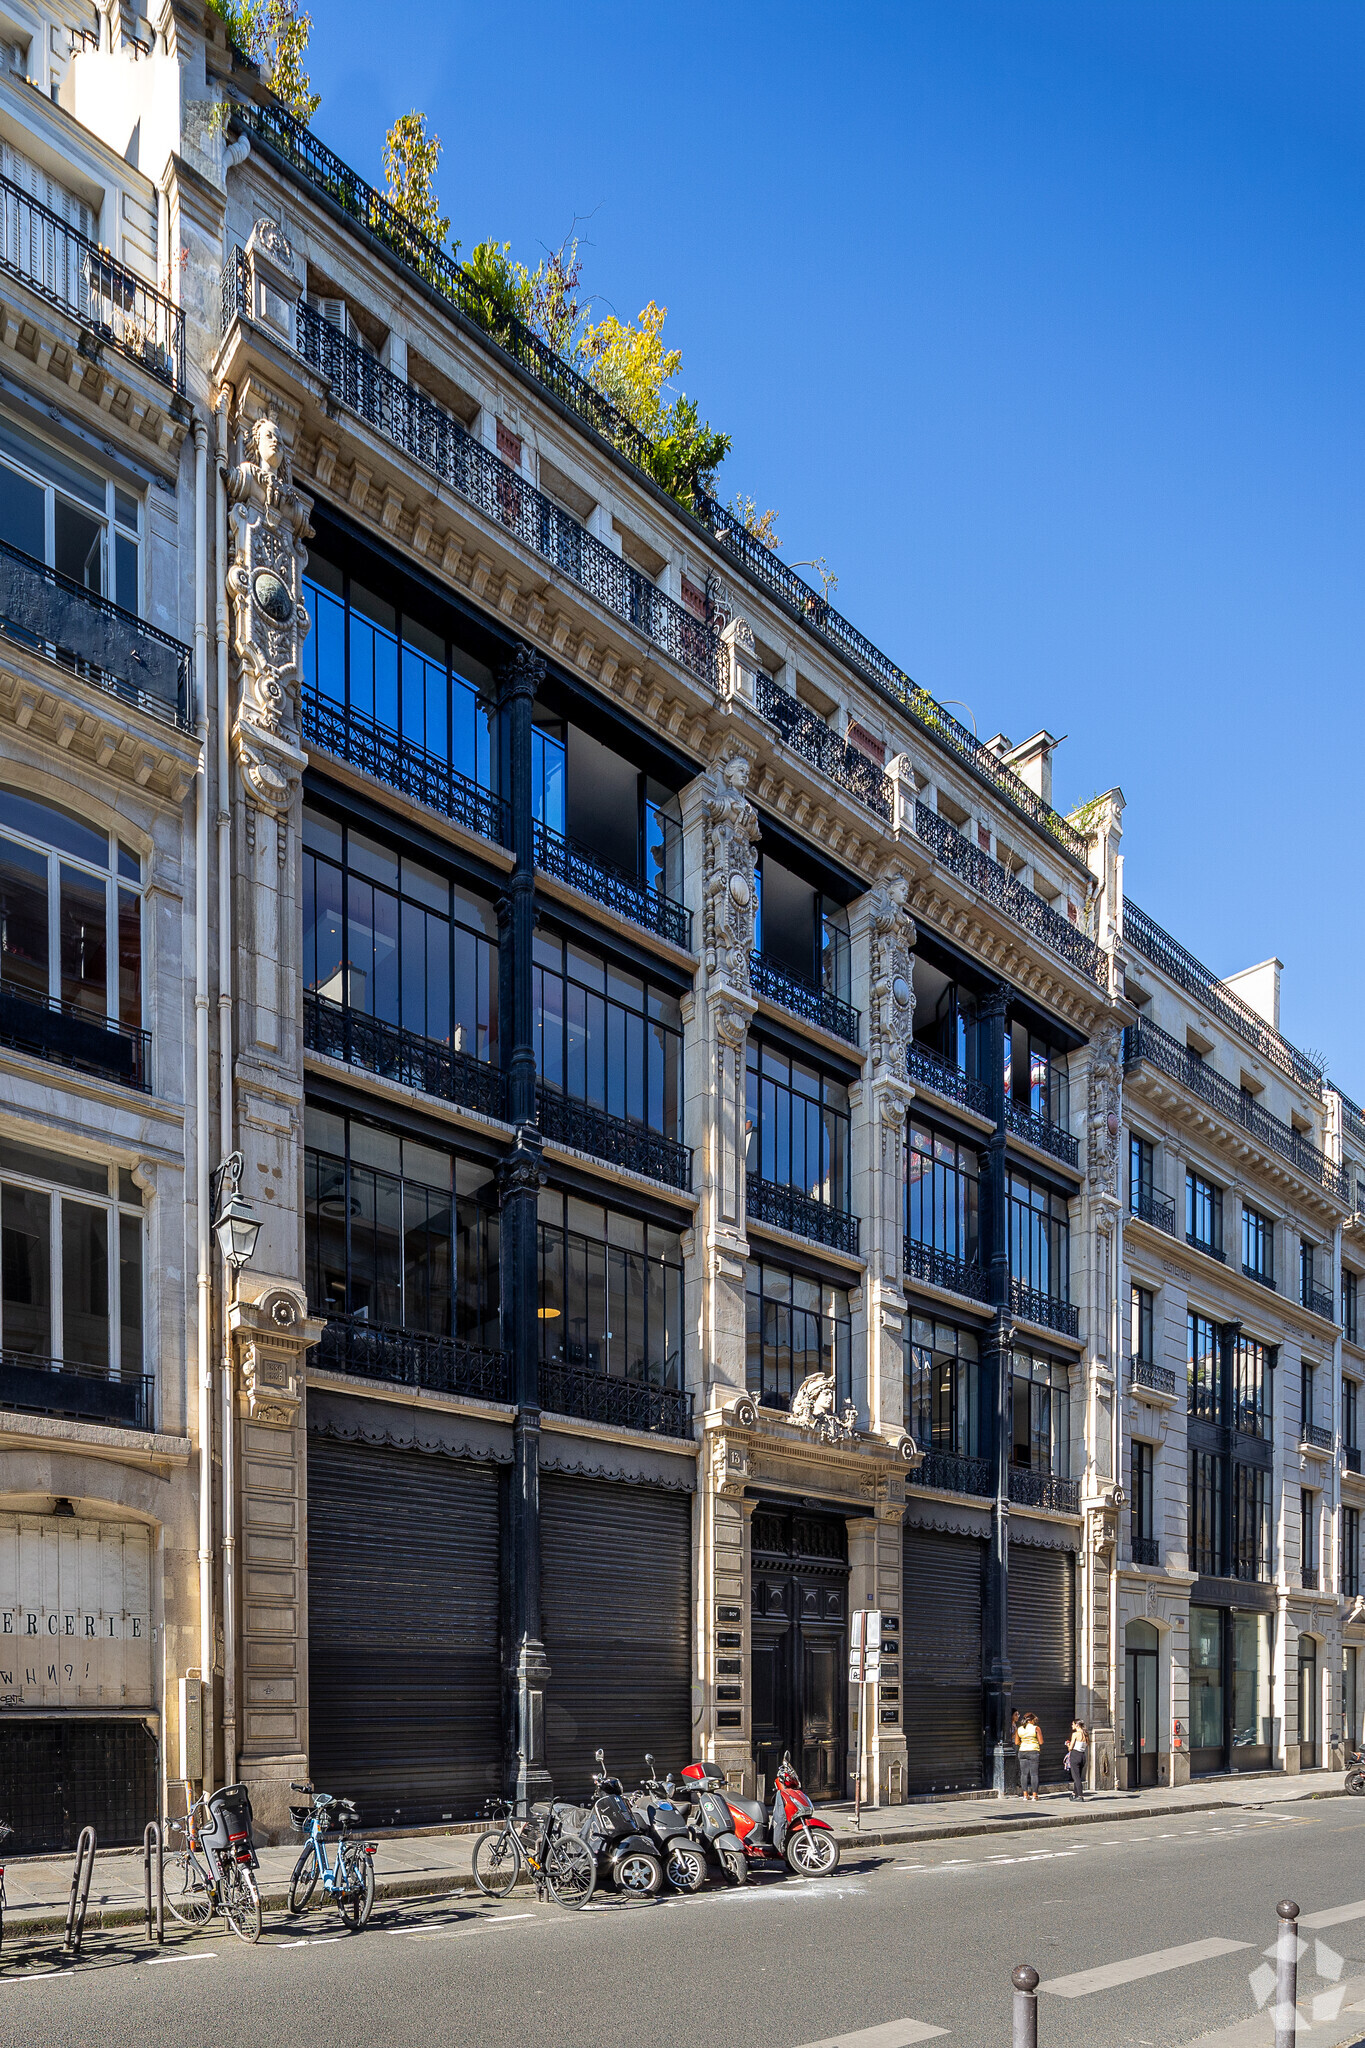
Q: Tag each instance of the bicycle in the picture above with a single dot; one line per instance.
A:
(349, 1881)
(197, 1884)
(560, 1863)
(5, 1832)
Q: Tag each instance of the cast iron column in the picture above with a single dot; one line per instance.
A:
(526, 1669)
(996, 1416)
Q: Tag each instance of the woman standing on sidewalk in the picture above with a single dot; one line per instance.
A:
(1030, 1740)
(1077, 1751)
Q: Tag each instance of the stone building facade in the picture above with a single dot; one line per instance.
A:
(686, 1083)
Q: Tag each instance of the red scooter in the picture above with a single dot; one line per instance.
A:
(792, 1833)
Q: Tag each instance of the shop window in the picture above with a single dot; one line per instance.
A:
(70, 913)
(796, 1326)
(610, 1295)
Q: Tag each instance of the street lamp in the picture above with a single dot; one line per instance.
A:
(235, 1223)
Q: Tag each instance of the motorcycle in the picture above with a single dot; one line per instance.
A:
(622, 1851)
(1355, 1771)
(670, 1825)
(791, 1832)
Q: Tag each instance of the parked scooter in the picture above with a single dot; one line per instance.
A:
(624, 1853)
(791, 1832)
(712, 1824)
(1355, 1771)
(668, 1821)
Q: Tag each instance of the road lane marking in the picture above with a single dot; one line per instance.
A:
(895, 2034)
(208, 1956)
(33, 1976)
(1082, 1983)
(1334, 1915)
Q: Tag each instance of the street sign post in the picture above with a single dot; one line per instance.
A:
(864, 1667)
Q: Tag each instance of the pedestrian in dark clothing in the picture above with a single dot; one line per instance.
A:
(1077, 1753)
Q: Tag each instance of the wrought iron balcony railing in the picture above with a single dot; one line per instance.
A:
(1158, 1379)
(1044, 1490)
(1262, 1279)
(104, 646)
(1144, 1041)
(1353, 1119)
(390, 758)
(1158, 1210)
(1206, 1246)
(946, 1472)
(1146, 936)
(927, 1070)
(1318, 1301)
(427, 1064)
(1145, 1549)
(1313, 1436)
(413, 1358)
(809, 736)
(70, 1037)
(786, 1208)
(592, 876)
(1350, 1457)
(944, 1269)
(80, 1393)
(52, 259)
(1042, 1132)
(621, 1404)
(619, 1140)
(1308, 1577)
(813, 1005)
(1007, 893)
(1044, 1309)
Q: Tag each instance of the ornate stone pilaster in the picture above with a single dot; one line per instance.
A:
(883, 938)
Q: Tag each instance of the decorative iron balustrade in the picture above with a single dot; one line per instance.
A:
(1266, 1280)
(890, 682)
(1146, 936)
(621, 1404)
(785, 1208)
(1353, 1119)
(69, 1037)
(1207, 1247)
(1052, 1138)
(1158, 1210)
(803, 999)
(946, 1472)
(1145, 1549)
(1044, 1309)
(1144, 1041)
(1001, 888)
(79, 1393)
(1314, 1437)
(1308, 1577)
(51, 258)
(1157, 1379)
(427, 1064)
(1350, 1454)
(943, 1269)
(927, 1070)
(1318, 1301)
(809, 736)
(1045, 1490)
(354, 737)
(412, 1358)
(108, 648)
(592, 876)
(619, 1140)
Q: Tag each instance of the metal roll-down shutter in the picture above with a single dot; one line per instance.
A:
(1042, 1645)
(941, 1661)
(616, 1586)
(60, 1775)
(405, 1687)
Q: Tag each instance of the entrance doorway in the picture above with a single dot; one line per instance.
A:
(1308, 1704)
(1231, 1666)
(1142, 1728)
(800, 1647)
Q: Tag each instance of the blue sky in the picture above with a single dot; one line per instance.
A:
(1043, 323)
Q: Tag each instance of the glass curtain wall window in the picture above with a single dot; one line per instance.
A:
(1205, 1377)
(610, 1293)
(606, 1036)
(1036, 1076)
(72, 1287)
(399, 1234)
(1040, 1237)
(1350, 1552)
(942, 1387)
(1141, 1173)
(1042, 1414)
(70, 913)
(1258, 1245)
(1206, 1514)
(796, 1326)
(381, 664)
(390, 937)
(796, 1125)
(1142, 1331)
(1204, 1214)
(1253, 1410)
(1250, 1522)
(941, 1192)
(831, 957)
(67, 515)
(951, 1031)
(659, 857)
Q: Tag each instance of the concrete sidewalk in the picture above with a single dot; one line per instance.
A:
(435, 1865)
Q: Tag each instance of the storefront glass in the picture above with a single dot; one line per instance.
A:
(1206, 1688)
(1252, 1734)
(1350, 1697)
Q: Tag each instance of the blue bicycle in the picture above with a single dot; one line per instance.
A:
(348, 1878)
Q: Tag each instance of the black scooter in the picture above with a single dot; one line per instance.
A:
(713, 1825)
(668, 1820)
(612, 1831)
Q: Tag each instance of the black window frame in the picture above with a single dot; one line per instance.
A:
(1142, 1324)
(831, 1113)
(565, 1248)
(658, 1013)
(942, 1385)
(1142, 1477)
(1039, 1232)
(1201, 1193)
(1258, 1245)
(771, 1370)
(957, 1233)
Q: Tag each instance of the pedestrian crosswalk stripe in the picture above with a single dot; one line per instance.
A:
(1334, 1915)
(1082, 1983)
(895, 2034)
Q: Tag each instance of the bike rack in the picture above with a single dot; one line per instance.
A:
(81, 1874)
(152, 1849)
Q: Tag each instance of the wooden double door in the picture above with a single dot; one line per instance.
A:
(799, 1634)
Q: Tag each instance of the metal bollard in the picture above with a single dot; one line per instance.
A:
(152, 1853)
(82, 1872)
(1287, 1975)
(1025, 1983)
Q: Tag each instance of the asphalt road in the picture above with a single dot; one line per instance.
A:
(1144, 1934)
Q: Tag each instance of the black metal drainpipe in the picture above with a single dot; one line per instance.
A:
(996, 1416)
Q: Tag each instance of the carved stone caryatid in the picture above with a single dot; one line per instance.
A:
(731, 858)
(1102, 1115)
(269, 526)
(891, 1010)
